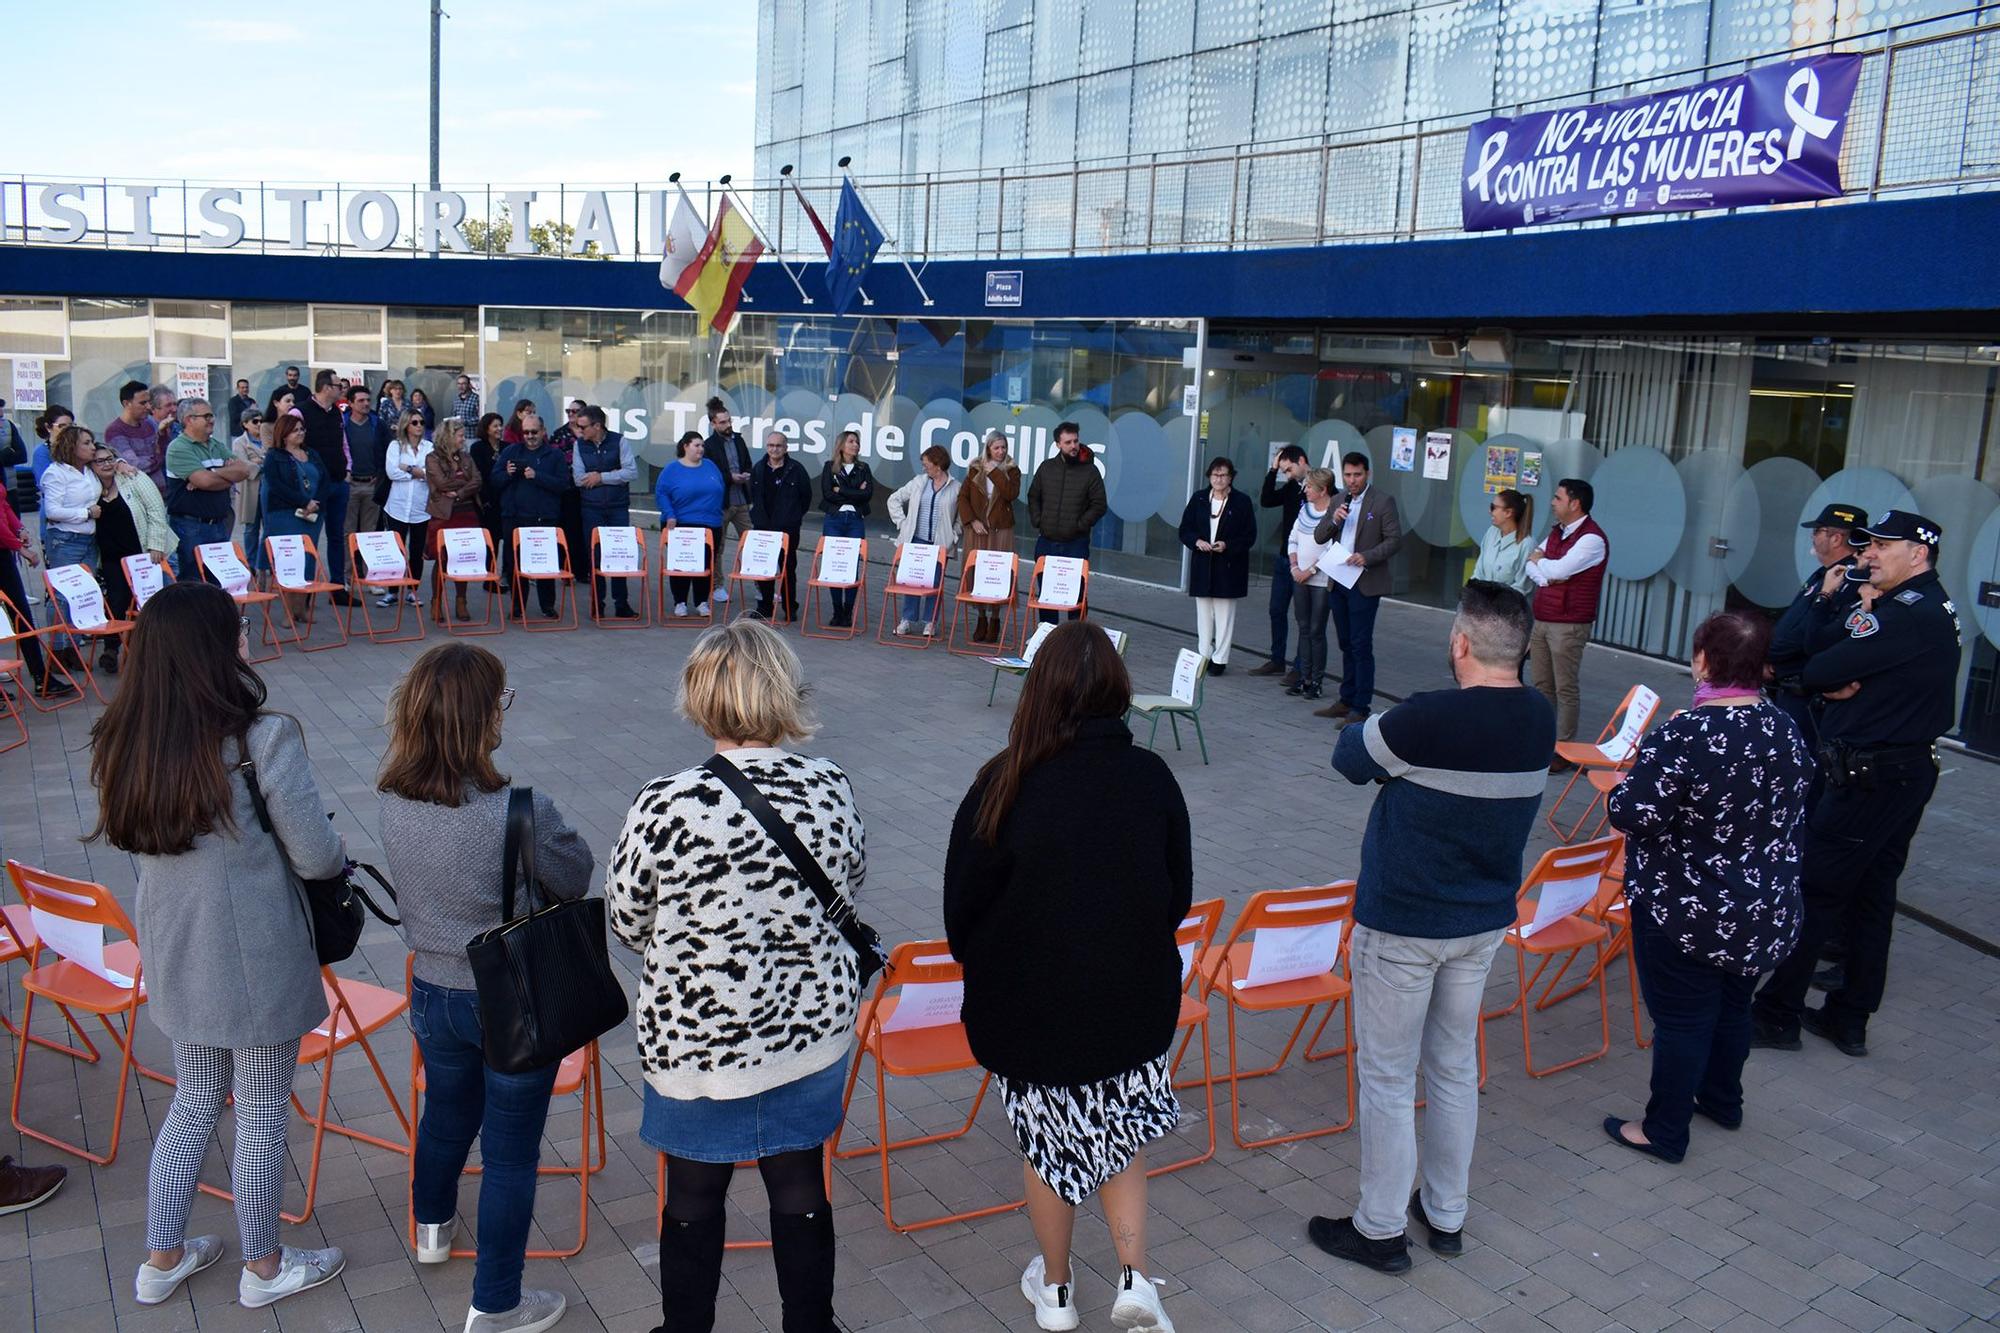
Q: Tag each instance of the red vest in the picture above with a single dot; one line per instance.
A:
(1574, 600)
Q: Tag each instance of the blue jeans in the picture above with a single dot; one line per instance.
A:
(194, 532)
(1354, 626)
(1079, 547)
(61, 548)
(843, 525)
(464, 1098)
(333, 512)
(1282, 589)
(253, 542)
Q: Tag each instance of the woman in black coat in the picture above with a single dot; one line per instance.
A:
(1069, 869)
(1220, 527)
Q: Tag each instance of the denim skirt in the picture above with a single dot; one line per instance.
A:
(789, 1118)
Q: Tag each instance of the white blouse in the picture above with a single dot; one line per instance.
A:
(67, 495)
(409, 492)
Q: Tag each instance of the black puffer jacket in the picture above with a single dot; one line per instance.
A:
(1067, 497)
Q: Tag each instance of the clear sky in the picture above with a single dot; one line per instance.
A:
(534, 91)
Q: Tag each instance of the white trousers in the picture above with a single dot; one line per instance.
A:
(1215, 627)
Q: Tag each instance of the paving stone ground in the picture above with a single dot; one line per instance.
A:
(1860, 1195)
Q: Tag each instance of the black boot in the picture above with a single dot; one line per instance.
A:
(690, 1272)
(802, 1249)
(107, 661)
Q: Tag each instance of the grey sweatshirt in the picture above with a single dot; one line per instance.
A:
(446, 865)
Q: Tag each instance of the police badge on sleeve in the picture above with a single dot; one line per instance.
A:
(1862, 624)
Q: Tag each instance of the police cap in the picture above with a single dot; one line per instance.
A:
(1851, 517)
(1900, 525)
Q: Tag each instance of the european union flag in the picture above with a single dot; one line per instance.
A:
(856, 238)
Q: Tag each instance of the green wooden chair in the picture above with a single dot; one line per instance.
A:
(1190, 670)
(1018, 666)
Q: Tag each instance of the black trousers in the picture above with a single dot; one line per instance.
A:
(22, 614)
(1701, 1034)
(545, 588)
(1856, 841)
(765, 590)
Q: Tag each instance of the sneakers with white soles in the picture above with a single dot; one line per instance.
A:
(1055, 1305)
(702, 610)
(155, 1285)
(434, 1241)
(298, 1270)
(722, 594)
(538, 1310)
(1138, 1305)
(680, 610)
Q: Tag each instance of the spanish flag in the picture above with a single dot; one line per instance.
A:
(721, 268)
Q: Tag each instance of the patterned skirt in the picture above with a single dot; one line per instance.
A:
(1076, 1138)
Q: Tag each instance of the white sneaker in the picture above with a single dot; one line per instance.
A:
(155, 1285)
(702, 610)
(298, 1270)
(930, 629)
(410, 599)
(1055, 1306)
(905, 626)
(722, 594)
(537, 1311)
(680, 609)
(434, 1241)
(1138, 1305)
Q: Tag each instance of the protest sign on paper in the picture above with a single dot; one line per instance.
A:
(380, 555)
(840, 560)
(31, 386)
(759, 553)
(465, 552)
(618, 551)
(993, 574)
(537, 551)
(81, 594)
(1559, 898)
(288, 561)
(144, 577)
(1062, 581)
(190, 379)
(219, 559)
(916, 566)
(1620, 746)
(687, 551)
(1289, 953)
(1187, 671)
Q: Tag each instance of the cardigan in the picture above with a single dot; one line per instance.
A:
(149, 512)
(1065, 927)
(223, 932)
(1711, 810)
(748, 986)
(447, 863)
(906, 504)
(1227, 573)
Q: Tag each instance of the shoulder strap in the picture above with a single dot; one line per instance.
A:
(518, 855)
(837, 909)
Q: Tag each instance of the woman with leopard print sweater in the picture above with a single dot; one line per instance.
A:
(746, 1015)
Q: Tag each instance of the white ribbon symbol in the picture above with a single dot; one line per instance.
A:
(1802, 110)
(1490, 154)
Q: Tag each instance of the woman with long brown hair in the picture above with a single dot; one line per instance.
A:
(454, 503)
(443, 807)
(986, 513)
(1056, 906)
(229, 967)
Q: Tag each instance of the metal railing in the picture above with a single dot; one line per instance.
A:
(1925, 119)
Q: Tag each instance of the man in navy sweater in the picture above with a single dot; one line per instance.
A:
(529, 478)
(1462, 774)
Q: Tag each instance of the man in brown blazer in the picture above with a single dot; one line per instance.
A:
(1367, 524)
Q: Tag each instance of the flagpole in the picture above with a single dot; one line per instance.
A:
(891, 240)
(786, 172)
(751, 218)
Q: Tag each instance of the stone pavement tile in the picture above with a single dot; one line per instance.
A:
(173, 1317)
(1852, 1310)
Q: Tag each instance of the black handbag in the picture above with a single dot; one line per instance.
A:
(544, 978)
(864, 939)
(333, 906)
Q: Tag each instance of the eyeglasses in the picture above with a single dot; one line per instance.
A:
(506, 695)
(531, 435)
(201, 416)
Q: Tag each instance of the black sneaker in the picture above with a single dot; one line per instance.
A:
(1311, 692)
(1297, 688)
(1441, 1241)
(1337, 1237)
(626, 613)
(1847, 1040)
(342, 597)
(1218, 669)
(1768, 1036)
(54, 687)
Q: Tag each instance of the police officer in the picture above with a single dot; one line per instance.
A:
(1833, 545)
(1888, 684)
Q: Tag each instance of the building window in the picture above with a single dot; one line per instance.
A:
(348, 335)
(190, 331)
(34, 326)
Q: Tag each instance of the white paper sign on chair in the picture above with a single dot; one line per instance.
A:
(465, 552)
(1027, 657)
(145, 579)
(993, 574)
(380, 555)
(758, 554)
(926, 1004)
(1062, 581)
(1289, 953)
(538, 551)
(916, 566)
(80, 591)
(687, 551)
(1561, 898)
(79, 942)
(1620, 747)
(219, 559)
(840, 560)
(288, 561)
(1187, 672)
(618, 551)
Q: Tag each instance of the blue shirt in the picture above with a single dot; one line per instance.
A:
(690, 494)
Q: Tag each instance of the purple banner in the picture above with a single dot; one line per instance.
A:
(1770, 135)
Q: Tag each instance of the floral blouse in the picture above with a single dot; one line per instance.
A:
(1711, 813)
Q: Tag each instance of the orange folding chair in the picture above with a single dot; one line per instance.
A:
(1613, 751)
(290, 558)
(813, 625)
(16, 628)
(581, 1074)
(143, 578)
(1303, 933)
(223, 563)
(753, 558)
(1611, 909)
(69, 917)
(627, 561)
(538, 544)
(387, 561)
(15, 669)
(988, 579)
(1041, 597)
(898, 588)
(686, 553)
(1193, 936)
(911, 1034)
(1549, 923)
(475, 561)
(17, 944)
(95, 623)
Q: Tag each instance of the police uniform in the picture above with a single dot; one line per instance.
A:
(1878, 757)
(1809, 625)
